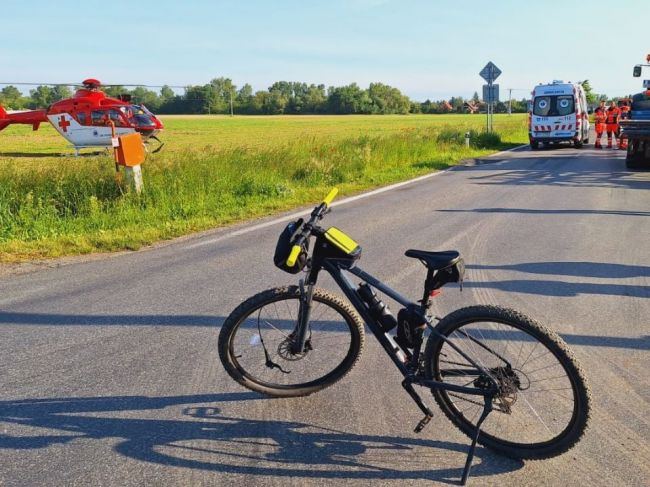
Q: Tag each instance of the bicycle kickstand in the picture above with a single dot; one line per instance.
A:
(487, 408)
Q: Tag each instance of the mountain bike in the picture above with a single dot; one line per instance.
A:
(506, 381)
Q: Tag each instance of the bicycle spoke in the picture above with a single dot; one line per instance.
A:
(329, 335)
(535, 390)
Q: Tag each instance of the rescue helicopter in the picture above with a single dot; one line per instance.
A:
(89, 118)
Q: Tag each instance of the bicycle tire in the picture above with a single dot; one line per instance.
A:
(331, 320)
(518, 427)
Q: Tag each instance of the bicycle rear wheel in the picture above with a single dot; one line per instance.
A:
(543, 404)
(255, 342)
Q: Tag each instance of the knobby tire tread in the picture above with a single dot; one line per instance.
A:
(550, 338)
(265, 297)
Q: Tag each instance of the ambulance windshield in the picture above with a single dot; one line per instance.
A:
(554, 105)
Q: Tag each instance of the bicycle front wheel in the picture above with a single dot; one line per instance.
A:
(542, 405)
(255, 342)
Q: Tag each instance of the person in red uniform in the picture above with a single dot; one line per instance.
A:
(625, 113)
(611, 122)
(599, 119)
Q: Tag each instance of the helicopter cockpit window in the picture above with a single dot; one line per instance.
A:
(98, 117)
(128, 113)
(101, 117)
(116, 118)
(81, 118)
(142, 116)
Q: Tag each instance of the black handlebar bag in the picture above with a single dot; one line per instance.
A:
(283, 248)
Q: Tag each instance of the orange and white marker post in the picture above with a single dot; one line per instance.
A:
(129, 152)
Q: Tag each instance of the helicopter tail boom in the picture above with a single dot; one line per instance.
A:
(29, 117)
(3, 116)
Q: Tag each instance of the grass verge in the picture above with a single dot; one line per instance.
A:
(68, 208)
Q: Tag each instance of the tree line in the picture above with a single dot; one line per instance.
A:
(221, 96)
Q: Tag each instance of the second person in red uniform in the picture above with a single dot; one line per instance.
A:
(611, 122)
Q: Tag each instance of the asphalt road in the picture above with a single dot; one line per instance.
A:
(110, 376)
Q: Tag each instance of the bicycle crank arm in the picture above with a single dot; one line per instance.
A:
(407, 384)
(423, 422)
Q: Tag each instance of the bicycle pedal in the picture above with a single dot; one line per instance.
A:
(423, 422)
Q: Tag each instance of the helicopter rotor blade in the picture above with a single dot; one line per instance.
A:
(39, 84)
(102, 84)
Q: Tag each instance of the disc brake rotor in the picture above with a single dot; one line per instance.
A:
(285, 349)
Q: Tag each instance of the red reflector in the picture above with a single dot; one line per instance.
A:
(435, 292)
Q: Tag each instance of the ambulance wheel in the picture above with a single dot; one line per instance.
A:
(534, 145)
(578, 144)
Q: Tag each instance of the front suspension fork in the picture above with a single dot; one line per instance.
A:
(304, 310)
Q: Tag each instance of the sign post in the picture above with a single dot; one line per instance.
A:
(490, 91)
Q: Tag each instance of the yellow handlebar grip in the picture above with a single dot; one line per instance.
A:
(293, 256)
(330, 197)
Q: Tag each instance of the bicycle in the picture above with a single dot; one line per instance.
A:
(478, 361)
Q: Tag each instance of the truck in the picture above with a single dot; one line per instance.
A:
(636, 128)
(558, 114)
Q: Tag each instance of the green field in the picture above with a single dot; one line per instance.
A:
(215, 170)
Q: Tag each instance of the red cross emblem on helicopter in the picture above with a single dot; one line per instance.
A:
(63, 123)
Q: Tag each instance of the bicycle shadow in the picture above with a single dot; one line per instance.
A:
(213, 441)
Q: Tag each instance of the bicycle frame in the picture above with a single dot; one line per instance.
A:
(336, 267)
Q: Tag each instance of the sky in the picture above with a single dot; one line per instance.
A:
(428, 49)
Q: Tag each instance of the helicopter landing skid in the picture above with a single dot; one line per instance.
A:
(157, 149)
(76, 152)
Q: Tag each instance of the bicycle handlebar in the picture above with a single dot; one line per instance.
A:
(317, 214)
(293, 256)
(330, 196)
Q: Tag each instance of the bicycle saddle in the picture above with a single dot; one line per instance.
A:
(435, 260)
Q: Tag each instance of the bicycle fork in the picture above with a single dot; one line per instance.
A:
(299, 341)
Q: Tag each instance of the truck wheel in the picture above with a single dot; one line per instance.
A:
(638, 154)
(534, 145)
(577, 144)
(631, 162)
(634, 155)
